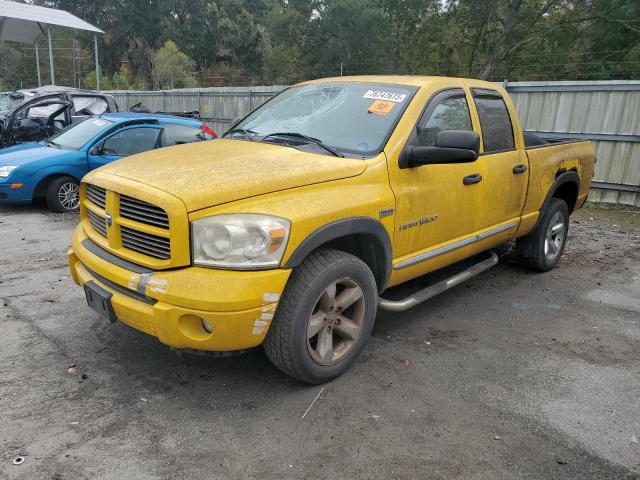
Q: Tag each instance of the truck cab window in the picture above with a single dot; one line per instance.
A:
(497, 131)
(450, 114)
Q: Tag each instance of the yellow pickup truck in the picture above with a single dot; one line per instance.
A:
(291, 229)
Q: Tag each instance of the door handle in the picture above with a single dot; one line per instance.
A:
(471, 179)
(519, 169)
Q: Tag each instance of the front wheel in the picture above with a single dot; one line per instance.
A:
(63, 195)
(542, 248)
(324, 318)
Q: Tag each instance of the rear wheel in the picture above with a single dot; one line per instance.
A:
(63, 195)
(542, 248)
(324, 318)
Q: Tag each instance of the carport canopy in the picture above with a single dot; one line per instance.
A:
(24, 23)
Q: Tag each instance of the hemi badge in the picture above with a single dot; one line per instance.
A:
(387, 212)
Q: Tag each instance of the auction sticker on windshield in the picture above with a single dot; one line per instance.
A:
(380, 107)
(382, 95)
(100, 123)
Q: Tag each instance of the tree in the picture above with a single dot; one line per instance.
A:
(172, 68)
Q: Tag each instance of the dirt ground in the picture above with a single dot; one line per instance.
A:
(511, 375)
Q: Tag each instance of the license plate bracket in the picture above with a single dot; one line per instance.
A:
(99, 300)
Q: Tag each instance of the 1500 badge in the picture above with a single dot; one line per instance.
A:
(415, 223)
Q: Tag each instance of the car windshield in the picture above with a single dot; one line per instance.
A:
(8, 101)
(351, 117)
(75, 136)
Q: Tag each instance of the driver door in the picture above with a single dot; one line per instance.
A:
(40, 119)
(124, 142)
(437, 206)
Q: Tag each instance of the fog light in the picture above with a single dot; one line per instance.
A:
(206, 325)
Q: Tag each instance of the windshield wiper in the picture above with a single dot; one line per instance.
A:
(50, 142)
(309, 139)
(247, 133)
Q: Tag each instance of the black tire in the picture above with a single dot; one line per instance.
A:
(533, 251)
(288, 344)
(59, 192)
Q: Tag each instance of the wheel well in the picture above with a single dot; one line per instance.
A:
(41, 189)
(568, 192)
(367, 248)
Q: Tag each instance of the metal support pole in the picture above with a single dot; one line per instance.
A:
(38, 65)
(95, 44)
(53, 75)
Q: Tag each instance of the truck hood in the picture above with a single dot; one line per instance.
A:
(206, 174)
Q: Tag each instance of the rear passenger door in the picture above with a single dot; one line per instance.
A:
(505, 167)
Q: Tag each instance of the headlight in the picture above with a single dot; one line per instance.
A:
(6, 170)
(243, 241)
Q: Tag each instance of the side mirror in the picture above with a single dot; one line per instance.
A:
(452, 146)
(95, 151)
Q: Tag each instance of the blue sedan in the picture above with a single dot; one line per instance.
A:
(53, 168)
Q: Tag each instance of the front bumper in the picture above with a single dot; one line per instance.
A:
(14, 195)
(171, 304)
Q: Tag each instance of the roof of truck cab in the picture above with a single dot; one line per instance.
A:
(409, 80)
(127, 116)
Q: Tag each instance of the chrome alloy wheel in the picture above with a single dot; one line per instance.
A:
(336, 322)
(69, 195)
(555, 237)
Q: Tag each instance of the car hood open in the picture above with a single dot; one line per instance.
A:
(206, 174)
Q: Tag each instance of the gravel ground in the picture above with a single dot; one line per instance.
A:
(511, 375)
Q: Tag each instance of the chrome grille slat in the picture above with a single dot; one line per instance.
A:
(148, 244)
(146, 250)
(145, 212)
(161, 242)
(97, 222)
(97, 195)
(144, 218)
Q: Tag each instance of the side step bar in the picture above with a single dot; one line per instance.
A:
(437, 288)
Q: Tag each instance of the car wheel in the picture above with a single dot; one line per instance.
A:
(324, 318)
(63, 195)
(542, 248)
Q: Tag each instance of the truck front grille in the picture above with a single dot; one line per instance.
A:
(132, 224)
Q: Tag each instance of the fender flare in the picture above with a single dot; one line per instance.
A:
(565, 177)
(344, 228)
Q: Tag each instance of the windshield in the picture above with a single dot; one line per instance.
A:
(348, 116)
(8, 101)
(76, 135)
